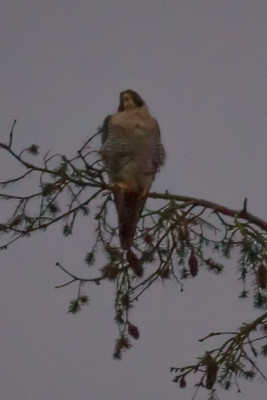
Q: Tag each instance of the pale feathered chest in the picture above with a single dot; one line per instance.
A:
(132, 130)
(131, 151)
(129, 121)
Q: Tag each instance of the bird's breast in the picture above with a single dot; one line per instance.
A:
(136, 121)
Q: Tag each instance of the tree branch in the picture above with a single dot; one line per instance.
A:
(217, 208)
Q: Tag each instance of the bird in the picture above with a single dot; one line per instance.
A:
(132, 154)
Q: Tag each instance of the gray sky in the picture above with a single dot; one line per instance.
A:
(201, 67)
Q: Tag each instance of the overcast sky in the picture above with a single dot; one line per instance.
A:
(201, 67)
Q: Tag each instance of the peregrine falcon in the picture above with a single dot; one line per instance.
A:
(132, 153)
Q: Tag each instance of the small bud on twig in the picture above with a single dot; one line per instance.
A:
(193, 264)
(133, 331)
(262, 276)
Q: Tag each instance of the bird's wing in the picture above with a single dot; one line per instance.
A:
(105, 128)
(158, 154)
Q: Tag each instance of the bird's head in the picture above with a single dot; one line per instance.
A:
(129, 99)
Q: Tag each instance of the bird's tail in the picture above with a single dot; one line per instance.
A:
(129, 206)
